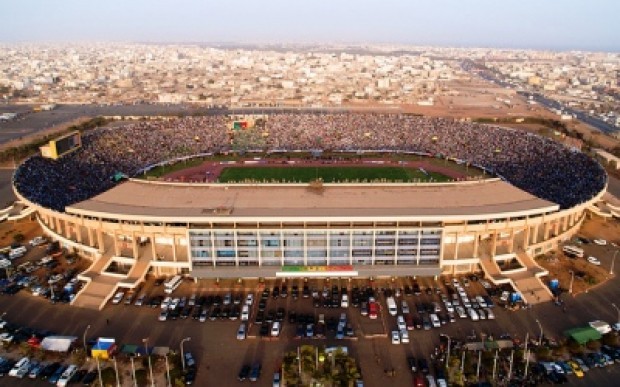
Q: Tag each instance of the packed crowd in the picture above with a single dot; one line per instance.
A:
(535, 164)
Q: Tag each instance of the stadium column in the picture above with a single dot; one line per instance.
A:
(100, 240)
(565, 228)
(134, 241)
(512, 240)
(547, 230)
(456, 245)
(526, 241)
(153, 249)
(117, 249)
(78, 232)
(174, 247)
(535, 235)
(91, 238)
(476, 242)
(58, 227)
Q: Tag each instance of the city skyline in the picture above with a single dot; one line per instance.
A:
(575, 25)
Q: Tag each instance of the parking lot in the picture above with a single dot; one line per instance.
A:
(214, 341)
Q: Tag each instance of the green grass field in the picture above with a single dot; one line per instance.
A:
(327, 174)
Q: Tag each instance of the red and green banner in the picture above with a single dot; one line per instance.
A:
(240, 125)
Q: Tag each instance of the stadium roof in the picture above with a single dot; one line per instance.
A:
(159, 201)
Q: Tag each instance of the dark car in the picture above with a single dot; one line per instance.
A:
(159, 281)
(300, 332)
(280, 314)
(295, 292)
(306, 291)
(284, 291)
(260, 317)
(197, 313)
(6, 366)
(186, 312)
(292, 317)
(255, 372)
(244, 373)
(190, 376)
(423, 366)
(90, 378)
(56, 375)
(264, 330)
(412, 364)
(276, 292)
(78, 376)
(49, 370)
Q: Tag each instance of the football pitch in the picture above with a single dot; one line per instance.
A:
(327, 174)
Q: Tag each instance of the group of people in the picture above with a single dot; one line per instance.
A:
(536, 164)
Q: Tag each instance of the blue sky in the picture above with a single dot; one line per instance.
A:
(538, 24)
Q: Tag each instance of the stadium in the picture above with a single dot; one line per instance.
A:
(93, 197)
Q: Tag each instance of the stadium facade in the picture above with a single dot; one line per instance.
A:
(220, 230)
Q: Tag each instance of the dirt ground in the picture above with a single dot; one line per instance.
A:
(28, 228)
(587, 275)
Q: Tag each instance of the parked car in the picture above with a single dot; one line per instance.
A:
(395, 337)
(118, 297)
(255, 372)
(241, 332)
(244, 372)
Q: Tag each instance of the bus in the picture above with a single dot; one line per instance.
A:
(573, 251)
(171, 285)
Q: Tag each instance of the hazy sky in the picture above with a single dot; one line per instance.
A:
(554, 24)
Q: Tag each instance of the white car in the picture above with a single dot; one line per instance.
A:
(6, 337)
(38, 241)
(249, 299)
(241, 332)
(400, 321)
(490, 314)
(405, 307)
(395, 337)
(275, 329)
(594, 261)
(449, 307)
(404, 336)
(163, 315)
(344, 303)
(245, 313)
(600, 242)
(166, 302)
(118, 297)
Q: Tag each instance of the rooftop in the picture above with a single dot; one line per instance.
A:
(159, 201)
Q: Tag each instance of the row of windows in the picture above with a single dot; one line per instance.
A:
(245, 262)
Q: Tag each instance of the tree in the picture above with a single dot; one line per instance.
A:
(594, 345)
(19, 237)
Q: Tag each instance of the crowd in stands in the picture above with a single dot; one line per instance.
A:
(533, 163)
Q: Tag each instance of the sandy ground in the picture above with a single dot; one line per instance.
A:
(560, 266)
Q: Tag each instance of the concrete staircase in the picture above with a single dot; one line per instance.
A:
(97, 291)
(527, 282)
(101, 286)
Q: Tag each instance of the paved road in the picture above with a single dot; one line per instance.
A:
(614, 186)
(30, 122)
(6, 192)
